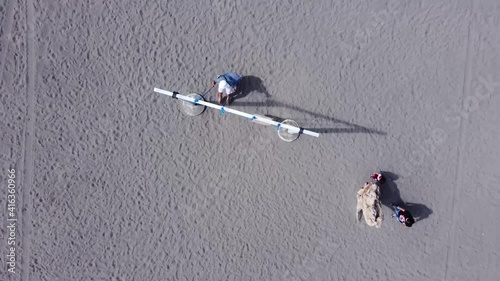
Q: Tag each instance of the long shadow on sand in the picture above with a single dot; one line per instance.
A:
(351, 127)
(389, 193)
(249, 84)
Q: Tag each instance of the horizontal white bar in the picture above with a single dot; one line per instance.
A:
(292, 129)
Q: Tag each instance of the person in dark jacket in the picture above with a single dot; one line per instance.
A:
(402, 215)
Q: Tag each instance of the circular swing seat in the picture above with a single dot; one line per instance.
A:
(286, 134)
(190, 108)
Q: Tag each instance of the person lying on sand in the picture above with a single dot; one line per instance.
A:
(228, 84)
(402, 215)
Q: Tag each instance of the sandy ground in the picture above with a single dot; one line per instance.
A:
(115, 183)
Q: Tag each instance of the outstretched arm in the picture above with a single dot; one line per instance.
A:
(218, 79)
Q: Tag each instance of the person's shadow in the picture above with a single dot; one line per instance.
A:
(249, 84)
(419, 211)
(389, 193)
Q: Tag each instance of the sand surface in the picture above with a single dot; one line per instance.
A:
(115, 183)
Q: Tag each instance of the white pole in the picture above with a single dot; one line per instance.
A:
(291, 129)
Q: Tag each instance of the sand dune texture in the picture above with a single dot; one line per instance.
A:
(115, 183)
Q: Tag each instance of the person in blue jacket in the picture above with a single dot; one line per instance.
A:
(227, 84)
(403, 216)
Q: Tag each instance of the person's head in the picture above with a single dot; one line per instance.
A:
(409, 221)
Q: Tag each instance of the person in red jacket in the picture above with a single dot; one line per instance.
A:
(378, 177)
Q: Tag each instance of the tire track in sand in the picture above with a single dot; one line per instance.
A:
(6, 37)
(28, 141)
(451, 257)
